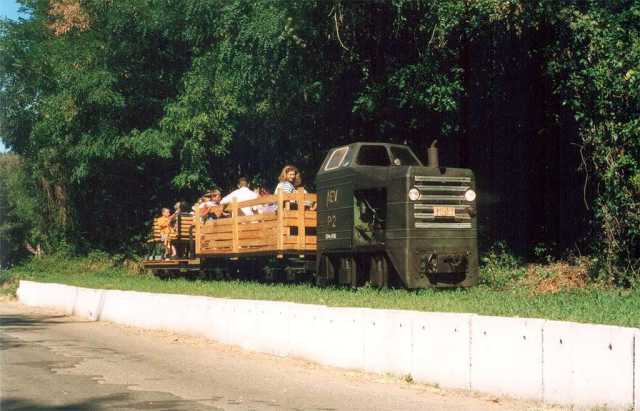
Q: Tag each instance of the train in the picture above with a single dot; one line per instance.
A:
(379, 217)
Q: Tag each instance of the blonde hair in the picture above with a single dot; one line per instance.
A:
(285, 171)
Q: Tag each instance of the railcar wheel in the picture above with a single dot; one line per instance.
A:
(274, 271)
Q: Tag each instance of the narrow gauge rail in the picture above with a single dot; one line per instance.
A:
(382, 217)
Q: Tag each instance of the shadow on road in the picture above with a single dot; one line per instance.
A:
(22, 322)
(11, 322)
(114, 401)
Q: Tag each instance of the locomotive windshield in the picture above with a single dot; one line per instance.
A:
(336, 158)
(373, 156)
(402, 156)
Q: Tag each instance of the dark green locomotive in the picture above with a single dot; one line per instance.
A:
(385, 218)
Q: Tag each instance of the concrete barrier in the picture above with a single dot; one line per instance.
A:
(636, 370)
(506, 355)
(441, 350)
(88, 303)
(132, 308)
(57, 296)
(218, 319)
(271, 334)
(557, 362)
(243, 323)
(388, 341)
(184, 314)
(588, 365)
(307, 331)
(343, 337)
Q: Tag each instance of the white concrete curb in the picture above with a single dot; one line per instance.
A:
(557, 362)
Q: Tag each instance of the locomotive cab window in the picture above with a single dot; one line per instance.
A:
(373, 156)
(402, 156)
(336, 158)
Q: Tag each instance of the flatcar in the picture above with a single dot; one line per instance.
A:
(379, 216)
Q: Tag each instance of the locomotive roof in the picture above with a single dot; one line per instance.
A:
(380, 154)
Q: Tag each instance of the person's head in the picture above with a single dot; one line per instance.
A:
(166, 212)
(178, 206)
(263, 192)
(291, 174)
(243, 182)
(216, 195)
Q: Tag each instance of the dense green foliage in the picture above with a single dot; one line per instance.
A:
(118, 108)
(591, 305)
(600, 66)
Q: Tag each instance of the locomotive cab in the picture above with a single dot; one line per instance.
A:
(386, 219)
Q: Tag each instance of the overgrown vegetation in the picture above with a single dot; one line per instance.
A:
(118, 108)
(518, 296)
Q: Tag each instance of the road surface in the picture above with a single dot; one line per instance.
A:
(49, 361)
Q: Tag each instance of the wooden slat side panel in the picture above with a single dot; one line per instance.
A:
(210, 229)
(234, 217)
(281, 214)
(217, 237)
(250, 244)
(300, 220)
(261, 232)
(271, 199)
(258, 227)
(197, 233)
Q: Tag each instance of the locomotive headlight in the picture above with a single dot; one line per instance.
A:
(414, 194)
(469, 195)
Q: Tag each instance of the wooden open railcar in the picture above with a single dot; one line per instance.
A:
(182, 238)
(286, 232)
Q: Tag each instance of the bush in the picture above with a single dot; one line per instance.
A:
(601, 84)
(16, 207)
(500, 267)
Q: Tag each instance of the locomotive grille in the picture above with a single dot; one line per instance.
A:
(440, 194)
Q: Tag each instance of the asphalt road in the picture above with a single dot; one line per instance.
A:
(52, 362)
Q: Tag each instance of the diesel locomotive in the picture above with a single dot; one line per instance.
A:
(379, 216)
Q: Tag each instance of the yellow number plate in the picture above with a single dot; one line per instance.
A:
(444, 212)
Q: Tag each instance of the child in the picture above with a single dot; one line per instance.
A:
(164, 226)
(173, 218)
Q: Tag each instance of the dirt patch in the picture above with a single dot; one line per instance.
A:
(7, 298)
(558, 276)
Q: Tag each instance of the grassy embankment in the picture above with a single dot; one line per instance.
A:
(556, 291)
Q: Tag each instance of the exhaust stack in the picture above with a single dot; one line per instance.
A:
(432, 155)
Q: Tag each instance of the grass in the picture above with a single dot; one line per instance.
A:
(506, 289)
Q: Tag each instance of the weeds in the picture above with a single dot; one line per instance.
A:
(500, 268)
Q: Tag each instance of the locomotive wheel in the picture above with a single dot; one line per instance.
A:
(379, 271)
(326, 272)
(348, 274)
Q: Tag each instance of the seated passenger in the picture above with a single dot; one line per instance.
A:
(242, 193)
(269, 208)
(196, 206)
(288, 180)
(203, 205)
(173, 218)
(165, 229)
(211, 209)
